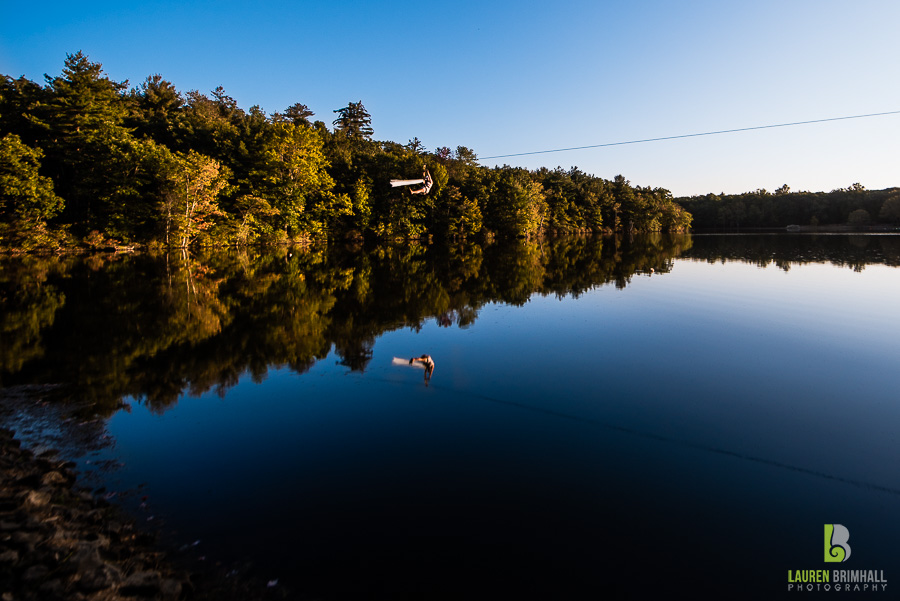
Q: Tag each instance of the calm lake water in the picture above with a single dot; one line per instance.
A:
(646, 417)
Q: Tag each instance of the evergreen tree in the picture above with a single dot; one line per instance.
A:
(354, 122)
(19, 98)
(89, 149)
(209, 126)
(298, 114)
(158, 110)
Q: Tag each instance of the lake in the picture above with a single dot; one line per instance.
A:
(637, 417)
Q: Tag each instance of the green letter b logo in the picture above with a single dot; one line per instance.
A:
(836, 547)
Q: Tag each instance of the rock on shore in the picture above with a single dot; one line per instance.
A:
(59, 542)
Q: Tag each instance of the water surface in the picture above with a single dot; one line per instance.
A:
(639, 417)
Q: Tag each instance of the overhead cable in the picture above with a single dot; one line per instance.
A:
(706, 133)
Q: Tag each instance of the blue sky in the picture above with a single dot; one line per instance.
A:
(509, 77)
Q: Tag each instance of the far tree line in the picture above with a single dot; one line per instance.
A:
(853, 206)
(84, 159)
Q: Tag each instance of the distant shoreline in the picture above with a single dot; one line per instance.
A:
(804, 229)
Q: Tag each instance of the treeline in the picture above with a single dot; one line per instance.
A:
(854, 206)
(155, 325)
(84, 159)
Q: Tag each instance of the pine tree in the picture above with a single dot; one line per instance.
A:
(158, 110)
(298, 114)
(89, 147)
(354, 122)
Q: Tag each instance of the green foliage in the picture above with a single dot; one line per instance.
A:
(361, 207)
(288, 171)
(518, 207)
(457, 216)
(575, 200)
(88, 146)
(404, 218)
(415, 146)
(158, 167)
(27, 199)
(19, 99)
(158, 111)
(760, 209)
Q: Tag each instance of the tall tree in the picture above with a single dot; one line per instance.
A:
(354, 122)
(465, 156)
(209, 125)
(298, 114)
(88, 141)
(158, 110)
(415, 146)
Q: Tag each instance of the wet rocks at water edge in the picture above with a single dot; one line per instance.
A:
(59, 542)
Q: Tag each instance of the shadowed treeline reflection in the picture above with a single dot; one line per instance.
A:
(156, 326)
(784, 250)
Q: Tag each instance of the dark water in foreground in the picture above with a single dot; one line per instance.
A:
(591, 427)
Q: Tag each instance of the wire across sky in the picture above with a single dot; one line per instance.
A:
(696, 135)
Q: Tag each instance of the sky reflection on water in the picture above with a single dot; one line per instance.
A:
(697, 425)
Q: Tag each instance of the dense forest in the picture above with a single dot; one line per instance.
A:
(854, 206)
(86, 160)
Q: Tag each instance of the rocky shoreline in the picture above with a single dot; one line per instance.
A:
(60, 542)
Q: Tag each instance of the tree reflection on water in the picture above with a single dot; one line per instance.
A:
(155, 326)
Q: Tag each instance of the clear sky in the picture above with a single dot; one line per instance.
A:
(518, 76)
